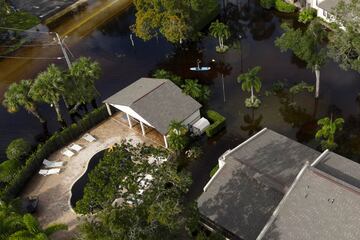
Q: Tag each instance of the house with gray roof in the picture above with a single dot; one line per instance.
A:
(273, 188)
(324, 8)
(155, 103)
(250, 182)
(323, 203)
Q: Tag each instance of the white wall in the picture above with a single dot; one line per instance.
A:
(192, 118)
(321, 13)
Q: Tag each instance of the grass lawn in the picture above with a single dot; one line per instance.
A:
(21, 20)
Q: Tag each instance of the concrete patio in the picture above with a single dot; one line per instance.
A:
(54, 191)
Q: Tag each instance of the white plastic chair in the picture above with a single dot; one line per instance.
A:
(46, 172)
(49, 164)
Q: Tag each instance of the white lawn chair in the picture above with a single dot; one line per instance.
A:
(49, 164)
(46, 172)
(88, 137)
(76, 147)
(66, 152)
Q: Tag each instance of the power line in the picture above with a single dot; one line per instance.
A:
(31, 45)
(33, 58)
(24, 30)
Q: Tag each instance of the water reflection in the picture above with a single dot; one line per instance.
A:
(252, 124)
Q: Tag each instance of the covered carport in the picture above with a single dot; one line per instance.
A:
(154, 103)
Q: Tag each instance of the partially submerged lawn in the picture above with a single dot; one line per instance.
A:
(21, 20)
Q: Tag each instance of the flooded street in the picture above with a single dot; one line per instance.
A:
(108, 42)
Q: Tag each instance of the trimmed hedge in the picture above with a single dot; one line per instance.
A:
(284, 7)
(55, 142)
(217, 123)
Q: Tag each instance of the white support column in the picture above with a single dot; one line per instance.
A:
(108, 109)
(166, 142)
(142, 128)
(129, 120)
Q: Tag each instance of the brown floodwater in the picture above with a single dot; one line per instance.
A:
(107, 41)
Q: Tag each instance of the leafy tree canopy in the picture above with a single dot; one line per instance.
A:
(18, 96)
(195, 90)
(18, 149)
(80, 81)
(344, 45)
(308, 45)
(15, 226)
(145, 207)
(327, 131)
(176, 20)
(177, 136)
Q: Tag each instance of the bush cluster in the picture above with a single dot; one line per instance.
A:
(217, 123)
(307, 15)
(252, 104)
(55, 142)
(267, 4)
(283, 6)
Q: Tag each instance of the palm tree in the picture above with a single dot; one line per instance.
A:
(49, 88)
(327, 131)
(10, 221)
(252, 124)
(220, 31)
(18, 96)
(308, 45)
(196, 90)
(250, 81)
(80, 87)
(177, 136)
(32, 230)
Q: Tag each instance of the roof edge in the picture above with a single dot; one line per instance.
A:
(319, 158)
(280, 205)
(223, 156)
(243, 143)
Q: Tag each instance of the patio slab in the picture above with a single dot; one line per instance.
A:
(54, 191)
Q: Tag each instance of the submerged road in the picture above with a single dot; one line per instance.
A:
(75, 26)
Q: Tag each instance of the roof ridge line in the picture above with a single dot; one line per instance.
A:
(279, 206)
(335, 180)
(149, 92)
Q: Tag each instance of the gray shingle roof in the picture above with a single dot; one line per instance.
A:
(254, 179)
(319, 206)
(274, 157)
(328, 5)
(341, 168)
(158, 101)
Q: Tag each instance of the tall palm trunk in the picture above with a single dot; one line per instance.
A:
(317, 74)
(252, 94)
(37, 115)
(58, 113)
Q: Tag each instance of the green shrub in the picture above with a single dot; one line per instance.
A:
(164, 74)
(8, 170)
(307, 15)
(283, 6)
(267, 4)
(217, 123)
(18, 149)
(55, 142)
(213, 171)
(252, 104)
